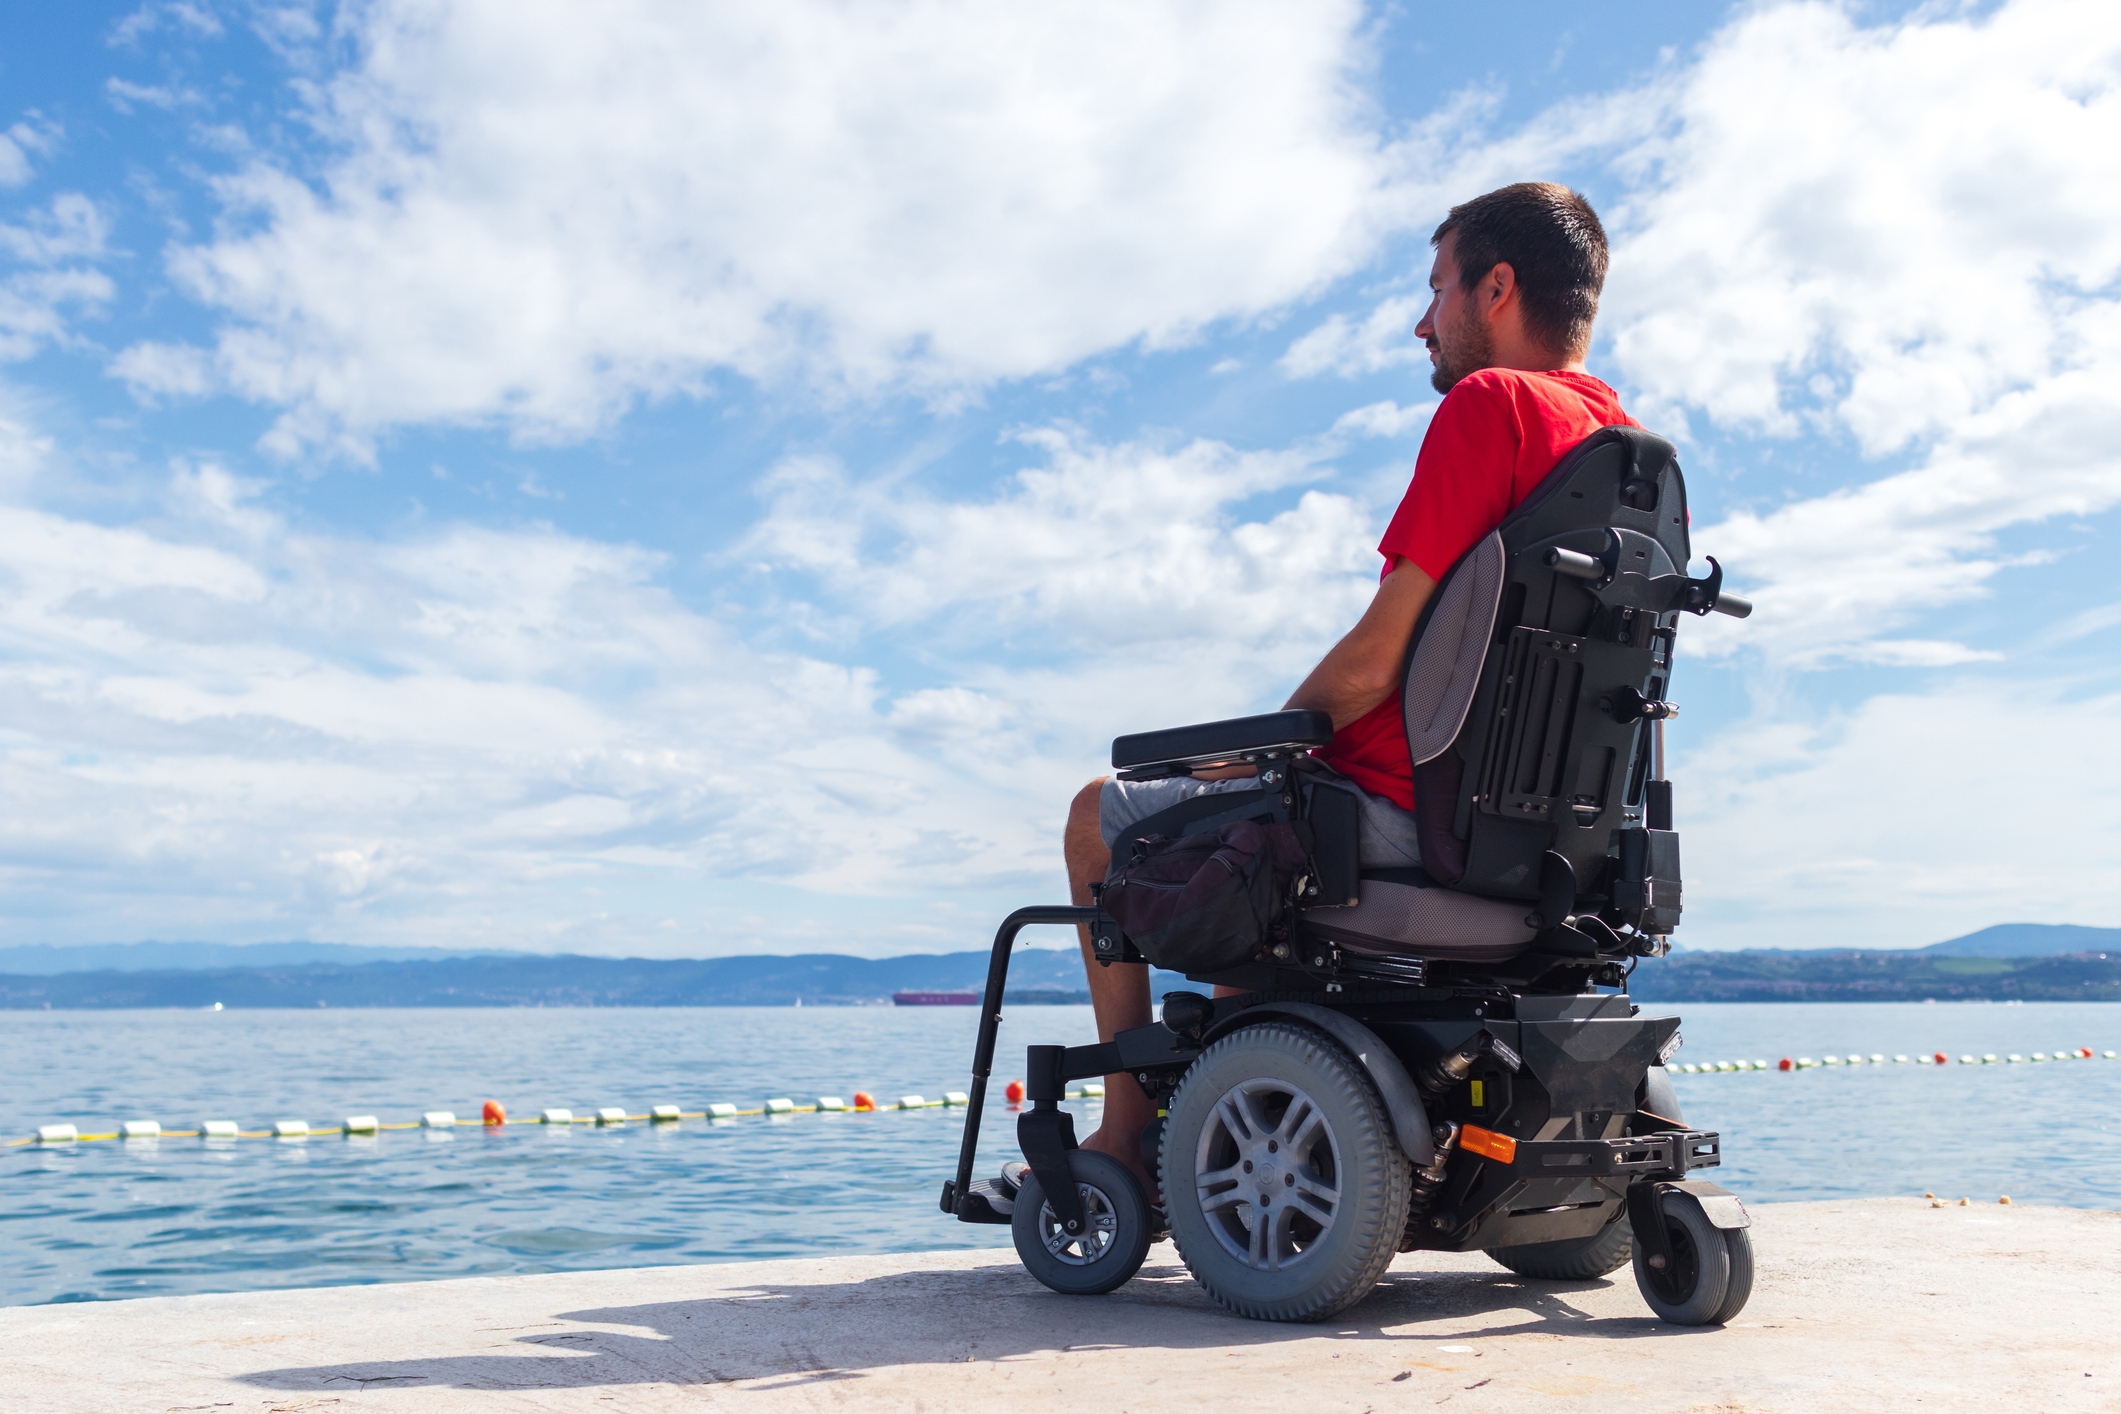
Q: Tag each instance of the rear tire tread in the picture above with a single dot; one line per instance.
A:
(1389, 1184)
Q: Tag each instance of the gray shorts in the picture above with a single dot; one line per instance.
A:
(1387, 833)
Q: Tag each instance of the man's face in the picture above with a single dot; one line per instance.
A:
(1458, 337)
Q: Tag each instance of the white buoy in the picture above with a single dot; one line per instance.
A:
(438, 1119)
(664, 1114)
(912, 1102)
(359, 1124)
(782, 1106)
(957, 1097)
(1877, 1059)
(831, 1104)
(217, 1129)
(611, 1114)
(290, 1129)
(556, 1117)
(721, 1112)
(1094, 1090)
(1900, 1060)
(140, 1129)
(57, 1134)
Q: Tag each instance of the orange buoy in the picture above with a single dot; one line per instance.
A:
(1941, 1058)
(2085, 1052)
(1015, 1092)
(1785, 1064)
(493, 1113)
(864, 1101)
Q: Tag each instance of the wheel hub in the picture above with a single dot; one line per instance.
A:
(1267, 1172)
(1080, 1249)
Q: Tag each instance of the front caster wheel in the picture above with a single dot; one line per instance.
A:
(1708, 1273)
(1108, 1252)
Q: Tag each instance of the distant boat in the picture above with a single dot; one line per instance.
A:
(966, 998)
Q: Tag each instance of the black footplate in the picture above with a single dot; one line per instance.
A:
(1673, 1153)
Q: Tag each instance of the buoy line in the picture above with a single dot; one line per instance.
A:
(1875, 1058)
(494, 1116)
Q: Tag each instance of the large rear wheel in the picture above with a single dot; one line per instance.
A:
(1285, 1188)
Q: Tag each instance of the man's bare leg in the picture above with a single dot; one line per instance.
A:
(1119, 994)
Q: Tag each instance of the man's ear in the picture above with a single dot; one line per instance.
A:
(1497, 288)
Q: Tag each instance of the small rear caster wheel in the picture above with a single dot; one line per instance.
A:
(1575, 1258)
(1708, 1274)
(1110, 1249)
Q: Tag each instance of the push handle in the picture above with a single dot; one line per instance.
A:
(1729, 603)
(1575, 564)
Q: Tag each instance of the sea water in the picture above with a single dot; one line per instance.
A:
(95, 1221)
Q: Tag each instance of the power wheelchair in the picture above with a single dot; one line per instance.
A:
(1436, 1058)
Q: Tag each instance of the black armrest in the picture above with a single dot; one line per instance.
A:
(1222, 741)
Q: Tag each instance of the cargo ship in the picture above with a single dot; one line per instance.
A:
(966, 998)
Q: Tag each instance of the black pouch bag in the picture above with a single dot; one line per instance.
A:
(1207, 901)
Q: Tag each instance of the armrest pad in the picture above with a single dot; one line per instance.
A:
(1222, 741)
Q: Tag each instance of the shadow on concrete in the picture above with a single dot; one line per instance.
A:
(788, 1335)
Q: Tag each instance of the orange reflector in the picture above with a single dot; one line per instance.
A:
(1487, 1143)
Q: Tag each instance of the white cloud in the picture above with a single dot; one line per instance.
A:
(14, 162)
(229, 724)
(1120, 549)
(1905, 235)
(1926, 216)
(1914, 818)
(32, 134)
(1908, 234)
(123, 94)
(174, 14)
(536, 222)
(52, 259)
(1382, 339)
(1386, 419)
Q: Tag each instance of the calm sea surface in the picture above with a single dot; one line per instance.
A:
(104, 1220)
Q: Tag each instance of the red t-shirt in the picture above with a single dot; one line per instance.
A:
(1493, 439)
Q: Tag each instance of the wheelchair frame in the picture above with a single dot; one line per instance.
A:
(1532, 1107)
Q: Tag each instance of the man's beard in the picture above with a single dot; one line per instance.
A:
(1469, 349)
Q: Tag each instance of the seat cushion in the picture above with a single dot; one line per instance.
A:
(1400, 918)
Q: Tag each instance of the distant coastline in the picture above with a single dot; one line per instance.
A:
(1038, 977)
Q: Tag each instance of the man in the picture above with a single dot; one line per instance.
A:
(1514, 290)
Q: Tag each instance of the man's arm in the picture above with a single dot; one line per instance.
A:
(1363, 668)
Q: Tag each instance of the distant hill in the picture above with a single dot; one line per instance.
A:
(1907, 976)
(2029, 940)
(45, 960)
(524, 979)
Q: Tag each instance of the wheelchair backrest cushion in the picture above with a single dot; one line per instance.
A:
(1444, 669)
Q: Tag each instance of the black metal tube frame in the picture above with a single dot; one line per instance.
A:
(990, 1023)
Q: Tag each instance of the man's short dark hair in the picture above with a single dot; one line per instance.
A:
(1551, 238)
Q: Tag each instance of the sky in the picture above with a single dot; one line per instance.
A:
(681, 480)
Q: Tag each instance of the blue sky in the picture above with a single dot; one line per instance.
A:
(714, 480)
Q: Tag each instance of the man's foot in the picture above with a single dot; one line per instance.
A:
(1128, 1152)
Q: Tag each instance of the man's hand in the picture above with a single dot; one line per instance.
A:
(1363, 668)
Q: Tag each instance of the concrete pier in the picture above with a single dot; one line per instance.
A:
(1886, 1304)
